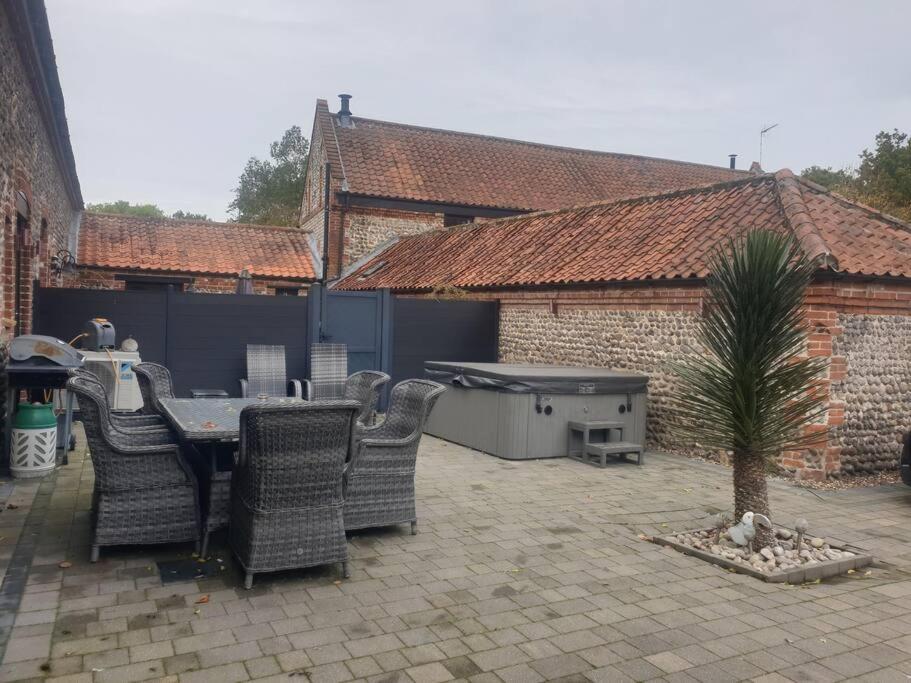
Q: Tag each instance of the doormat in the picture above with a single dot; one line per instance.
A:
(190, 569)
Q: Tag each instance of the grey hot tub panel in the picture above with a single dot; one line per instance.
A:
(521, 412)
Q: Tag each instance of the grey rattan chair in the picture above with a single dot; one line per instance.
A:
(381, 483)
(123, 421)
(287, 489)
(328, 372)
(149, 429)
(144, 493)
(364, 387)
(215, 485)
(266, 373)
(154, 384)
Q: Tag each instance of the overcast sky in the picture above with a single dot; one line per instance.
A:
(166, 100)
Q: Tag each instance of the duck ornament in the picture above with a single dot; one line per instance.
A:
(744, 531)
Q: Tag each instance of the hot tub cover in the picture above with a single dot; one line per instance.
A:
(537, 379)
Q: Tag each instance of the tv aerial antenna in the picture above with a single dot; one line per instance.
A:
(762, 134)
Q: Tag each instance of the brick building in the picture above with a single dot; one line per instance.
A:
(389, 180)
(132, 252)
(621, 284)
(40, 197)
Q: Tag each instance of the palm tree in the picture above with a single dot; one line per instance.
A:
(751, 392)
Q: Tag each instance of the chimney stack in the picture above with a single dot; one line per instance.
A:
(344, 112)
(733, 158)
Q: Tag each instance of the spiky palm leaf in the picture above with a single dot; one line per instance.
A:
(750, 391)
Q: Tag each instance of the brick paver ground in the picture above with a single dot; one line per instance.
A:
(522, 571)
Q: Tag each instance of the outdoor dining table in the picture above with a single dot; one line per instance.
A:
(211, 420)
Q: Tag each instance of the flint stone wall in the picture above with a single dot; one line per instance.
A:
(876, 390)
(366, 229)
(639, 340)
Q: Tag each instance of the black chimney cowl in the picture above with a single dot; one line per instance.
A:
(344, 112)
(733, 158)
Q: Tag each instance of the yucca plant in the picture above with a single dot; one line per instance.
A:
(753, 389)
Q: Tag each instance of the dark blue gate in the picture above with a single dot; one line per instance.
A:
(396, 334)
(358, 319)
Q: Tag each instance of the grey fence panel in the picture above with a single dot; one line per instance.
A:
(202, 338)
(208, 336)
(142, 315)
(424, 329)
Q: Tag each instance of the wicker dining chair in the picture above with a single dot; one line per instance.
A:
(287, 489)
(266, 373)
(152, 429)
(381, 482)
(154, 384)
(144, 493)
(328, 372)
(364, 387)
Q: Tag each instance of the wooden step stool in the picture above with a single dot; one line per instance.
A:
(591, 441)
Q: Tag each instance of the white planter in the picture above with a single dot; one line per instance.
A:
(33, 452)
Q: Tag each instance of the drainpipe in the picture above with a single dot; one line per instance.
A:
(326, 195)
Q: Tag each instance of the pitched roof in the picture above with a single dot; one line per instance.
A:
(398, 161)
(164, 244)
(643, 238)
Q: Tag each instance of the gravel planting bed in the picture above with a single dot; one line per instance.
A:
(782, 562)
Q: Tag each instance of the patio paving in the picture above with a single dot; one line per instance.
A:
(522, 571)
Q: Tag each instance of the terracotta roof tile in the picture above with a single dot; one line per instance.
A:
(651, 237)
(151, 244)
(393, 160)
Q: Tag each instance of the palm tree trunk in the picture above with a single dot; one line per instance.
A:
(750, 492)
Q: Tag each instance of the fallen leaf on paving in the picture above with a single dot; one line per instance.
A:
(65, 565)
(195, 611)
(203, 600)
(852, 571)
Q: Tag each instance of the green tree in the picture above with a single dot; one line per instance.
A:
(882, 180)
(124, 207)
(750, 392)
(189, 216)
(270, 191)
(828, 177)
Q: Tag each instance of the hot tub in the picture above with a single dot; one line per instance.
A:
(521, 412)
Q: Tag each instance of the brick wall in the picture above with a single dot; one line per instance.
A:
(864, 329)
(29, 164)
(97, 278)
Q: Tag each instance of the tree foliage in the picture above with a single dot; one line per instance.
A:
(189, 216)
(125, 208)
(750, 392)
(270, 191)
(881, 180)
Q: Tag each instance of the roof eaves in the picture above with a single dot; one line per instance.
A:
(33, 36)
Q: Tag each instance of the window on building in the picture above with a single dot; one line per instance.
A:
(287, 291)
(153, 283)
(450, 219)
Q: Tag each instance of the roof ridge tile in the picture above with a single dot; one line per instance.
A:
(801, 220)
